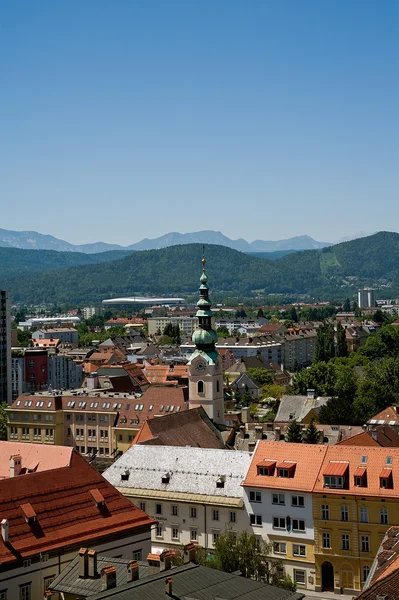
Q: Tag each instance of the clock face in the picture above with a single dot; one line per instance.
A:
(200, 366)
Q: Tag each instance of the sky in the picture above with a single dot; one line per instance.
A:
(264, 120)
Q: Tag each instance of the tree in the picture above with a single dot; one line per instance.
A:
(342, 347)
(272, 390)
(251, 556)
(260, 376)
(311, 435)
(260, 314)
(3, 421)
(347, 305)
(293, 315)
(324, 348)
(294, 432)
(222, 331)
(337, 411)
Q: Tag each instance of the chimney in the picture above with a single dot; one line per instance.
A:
(190, 553)
(374, 433)
(277, 434)
(245, 414)
(251, 446)
(168, 586)
(166, 560)
(15, 465)
(133, 571)
(154, 562)
(83, 563)
(92, 564)
(310, 393)
(108, 578)
(4, 530)
(258, 432)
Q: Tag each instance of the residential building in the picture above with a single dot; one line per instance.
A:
(388, 416)
(100, 423)
(66, 335)
(64, 373)
(299, 348)
(187, 324)
(245, 383)
(300, 408)
(135, 322)
(378, 435)
(382, 582)
(278, 500)
(17, 375)
(5, 348)
(243, 347)
(195, 494)
(204, 365)
(157, 579)
(54, 502)
(36, 369)
(89, 311)
(366, 298)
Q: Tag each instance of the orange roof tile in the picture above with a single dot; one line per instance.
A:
(336, 468)
(34, 457)
(66, 516)
(360, 472)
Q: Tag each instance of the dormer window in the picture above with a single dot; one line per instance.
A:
(333, 482)
(166, 478)
(266, 468)
(386, 481)
(286, 469)
(335, 474)
(360, 476)
(220, 482)
(283, 473)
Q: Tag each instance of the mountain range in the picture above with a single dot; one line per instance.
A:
(335, 272)
(32, 240)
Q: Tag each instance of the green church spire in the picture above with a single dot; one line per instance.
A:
(204, 337)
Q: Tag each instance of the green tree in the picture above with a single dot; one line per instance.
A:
(272, 390)
(260, 314)
(324, 348)
(293, 315)
(251, 556)
(377, 389)
(347, 305)
(222, 331)
(3, 421)
(260, 376)
(311, 435)
(337, 411)
(294, 432)
(342, 346)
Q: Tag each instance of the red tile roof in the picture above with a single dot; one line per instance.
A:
(34, 457)
(383, 435)
(336, 468)
(66, 516)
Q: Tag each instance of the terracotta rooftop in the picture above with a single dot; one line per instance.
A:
(165, 374)
(383, 580)
(388, 416)
(383, 435)
(189, 428)
(66, 514)
(34, 457)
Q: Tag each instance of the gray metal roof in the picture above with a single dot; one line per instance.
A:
(191, 470)
(297, 407)
(194, 582)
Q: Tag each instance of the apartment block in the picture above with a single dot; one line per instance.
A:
(5, 348)
(187, 324)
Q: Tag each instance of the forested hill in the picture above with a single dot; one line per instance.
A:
(325, 273)
(15, 262)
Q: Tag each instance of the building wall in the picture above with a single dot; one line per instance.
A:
(89, 430)
(349, 564)
(205, 526)
(187, 324)
(298, 350)
(36, 369)
(46, 568)
(5, 348)
(35, 426)
(286, 542)
(64, 373)
(17, 376)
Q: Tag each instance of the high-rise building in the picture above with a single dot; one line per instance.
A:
(5, 348)
(366, 298)
(205, 365)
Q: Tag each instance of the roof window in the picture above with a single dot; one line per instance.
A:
(125, 475)
(166, 478)
(388, 460)
(266, 468)
(386, 481)
(363, 460)
(360, 477)
(220, 482)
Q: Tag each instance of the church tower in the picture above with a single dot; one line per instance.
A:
(205, 366)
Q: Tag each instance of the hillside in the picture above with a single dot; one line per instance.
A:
(326, 273)
(17, 262)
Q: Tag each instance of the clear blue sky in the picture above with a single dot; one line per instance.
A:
(123, 119)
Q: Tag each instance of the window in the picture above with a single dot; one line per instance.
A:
(364, 514)
(200, 387)
(3, 594)
(215, 536)
(175, 533)
(283, 473)
(264, 471)
(142, 506)
(345, 541)
(280, 548)
(279, 522)
(365, 572)
(175, 510)
(325, 512)
(193, 534)
(365, 543)
(298, 549)
(255, 497)
(215, 515)
(298, 501)
(255, 519)
(217, 385)
(299, 576)
(159, 531)
(27, 563)
(384, 516)
(46, 582)
(193, 512)
(326, 540)
(25, 592)
(158, 509)
(278, 499)
(138, 555)
(330, 481)
(344, 513)
(233, 516)
(298, 525)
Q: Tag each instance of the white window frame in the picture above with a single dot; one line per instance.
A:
(278, 498)
(296, 573)
(298, 550)
(299, 501)
(280, 547)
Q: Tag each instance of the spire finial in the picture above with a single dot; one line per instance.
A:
(203, 257)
